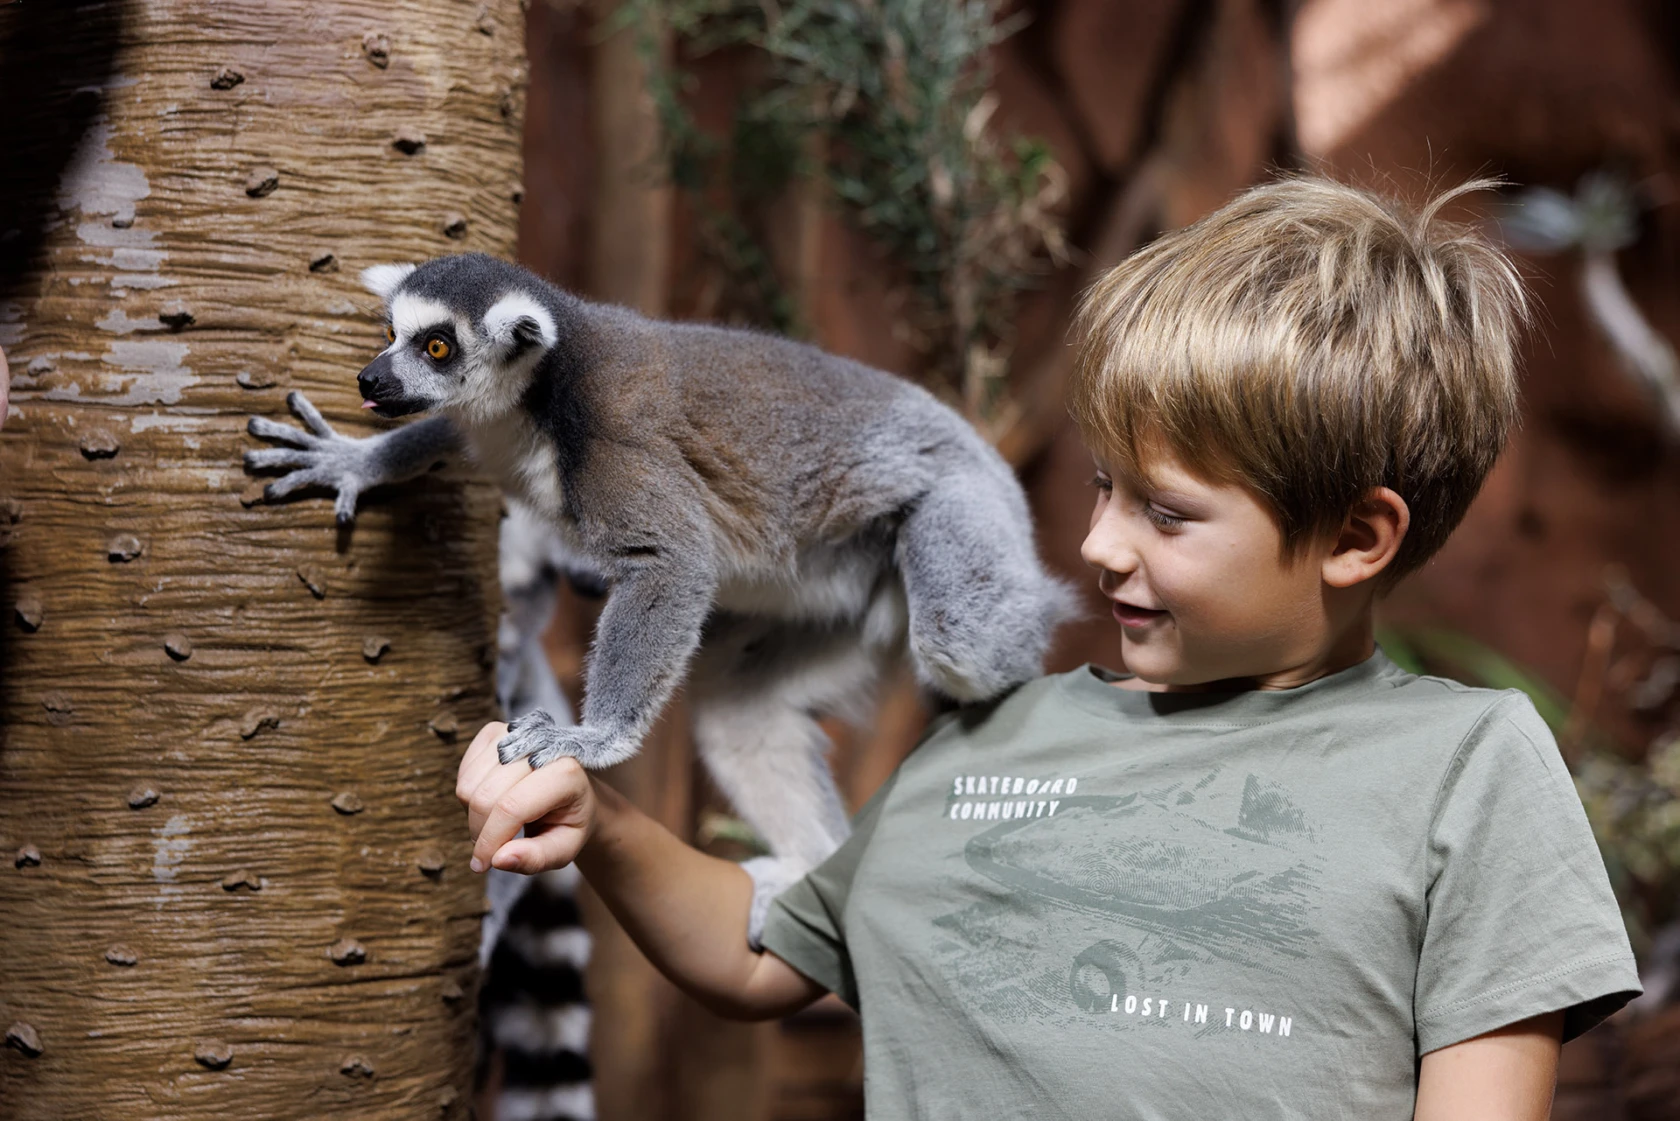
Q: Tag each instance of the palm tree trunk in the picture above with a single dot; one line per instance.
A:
(235, 880)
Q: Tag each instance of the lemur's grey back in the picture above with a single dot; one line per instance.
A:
(817, 445)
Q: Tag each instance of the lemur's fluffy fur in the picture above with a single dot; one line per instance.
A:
(775, 522)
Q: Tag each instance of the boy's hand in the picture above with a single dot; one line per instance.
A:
(686, 910)
(555, 805)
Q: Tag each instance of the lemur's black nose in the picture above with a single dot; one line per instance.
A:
(382, 390)
(379, 385)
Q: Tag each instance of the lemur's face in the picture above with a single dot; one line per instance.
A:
(440, 355)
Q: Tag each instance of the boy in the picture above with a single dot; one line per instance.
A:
(1269, 874)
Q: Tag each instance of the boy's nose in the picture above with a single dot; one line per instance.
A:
(1106, 549)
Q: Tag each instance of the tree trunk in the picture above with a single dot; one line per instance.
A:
(239, 886)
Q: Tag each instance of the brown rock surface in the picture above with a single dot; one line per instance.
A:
(1109, 55)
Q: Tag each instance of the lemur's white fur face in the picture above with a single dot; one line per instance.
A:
(439, 358)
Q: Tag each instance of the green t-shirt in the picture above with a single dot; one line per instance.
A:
(1085, 901)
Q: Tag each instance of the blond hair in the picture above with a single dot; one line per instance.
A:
(1312, 342)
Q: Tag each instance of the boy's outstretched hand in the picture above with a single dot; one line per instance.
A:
(555, 805)
(685, 909)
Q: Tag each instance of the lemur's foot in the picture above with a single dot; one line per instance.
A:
(319, 457)
(540, 739)
(771, 875)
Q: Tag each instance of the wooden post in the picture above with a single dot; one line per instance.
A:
(235, 881)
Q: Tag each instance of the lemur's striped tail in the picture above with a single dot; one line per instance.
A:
(534, 948)
(532, 1004)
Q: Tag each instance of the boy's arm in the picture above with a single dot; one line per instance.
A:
(686, 910)
(1505, 1075)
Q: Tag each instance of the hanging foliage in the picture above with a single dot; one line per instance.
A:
(888, 101)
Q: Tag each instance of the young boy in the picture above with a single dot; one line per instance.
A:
(1268, 874)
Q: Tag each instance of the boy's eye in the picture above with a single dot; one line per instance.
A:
(437, 349)
(1161, 518)
(1102, 482)
(390, 333)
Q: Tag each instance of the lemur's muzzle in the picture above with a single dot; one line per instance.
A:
(382, 392)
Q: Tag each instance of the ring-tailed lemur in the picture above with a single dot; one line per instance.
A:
(776, 522)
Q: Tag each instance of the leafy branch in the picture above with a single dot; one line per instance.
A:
(888, 102)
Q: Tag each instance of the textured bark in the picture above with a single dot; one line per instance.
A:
(243, 890)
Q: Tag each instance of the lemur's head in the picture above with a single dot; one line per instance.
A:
(465, 334)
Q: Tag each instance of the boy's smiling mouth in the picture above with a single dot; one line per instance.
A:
(1130, 615)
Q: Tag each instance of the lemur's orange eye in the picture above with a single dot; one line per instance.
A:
(438, 349)
(390, 333)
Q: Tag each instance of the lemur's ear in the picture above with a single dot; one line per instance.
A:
(382, 280)
(516, 321)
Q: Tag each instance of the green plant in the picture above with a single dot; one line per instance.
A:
(1635, 813)
(887, 101)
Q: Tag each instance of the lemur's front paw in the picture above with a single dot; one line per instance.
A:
(538, 738)
(771, 875)
(319, 457)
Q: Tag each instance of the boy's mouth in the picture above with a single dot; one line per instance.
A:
(1128, 615)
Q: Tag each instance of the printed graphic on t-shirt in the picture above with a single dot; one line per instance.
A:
(1115, 906)
(1006, 797)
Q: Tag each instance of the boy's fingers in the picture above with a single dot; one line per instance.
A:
(495, 785)
(541, 792)
(479, 760)
(482, 751)
(552, 848)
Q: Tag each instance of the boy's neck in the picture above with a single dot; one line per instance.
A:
(1352, 645)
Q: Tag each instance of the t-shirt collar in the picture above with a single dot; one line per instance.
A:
(1089, 686)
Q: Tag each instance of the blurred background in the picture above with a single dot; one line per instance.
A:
(927, 187)
(256, 905)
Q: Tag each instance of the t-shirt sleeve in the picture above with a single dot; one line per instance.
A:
(1520, 917)
(806, 926)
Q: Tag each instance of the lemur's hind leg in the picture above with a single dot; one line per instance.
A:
(755, 693)
(981, 608)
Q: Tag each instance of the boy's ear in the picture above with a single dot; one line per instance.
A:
(1369, 539)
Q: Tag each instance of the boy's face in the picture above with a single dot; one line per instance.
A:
(1199, 583)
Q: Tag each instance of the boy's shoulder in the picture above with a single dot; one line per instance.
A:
(1442, 709)
(1002, 716)
(1449, 698)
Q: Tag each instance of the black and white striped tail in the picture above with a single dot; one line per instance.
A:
(532, 1004)
(534, 1015)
